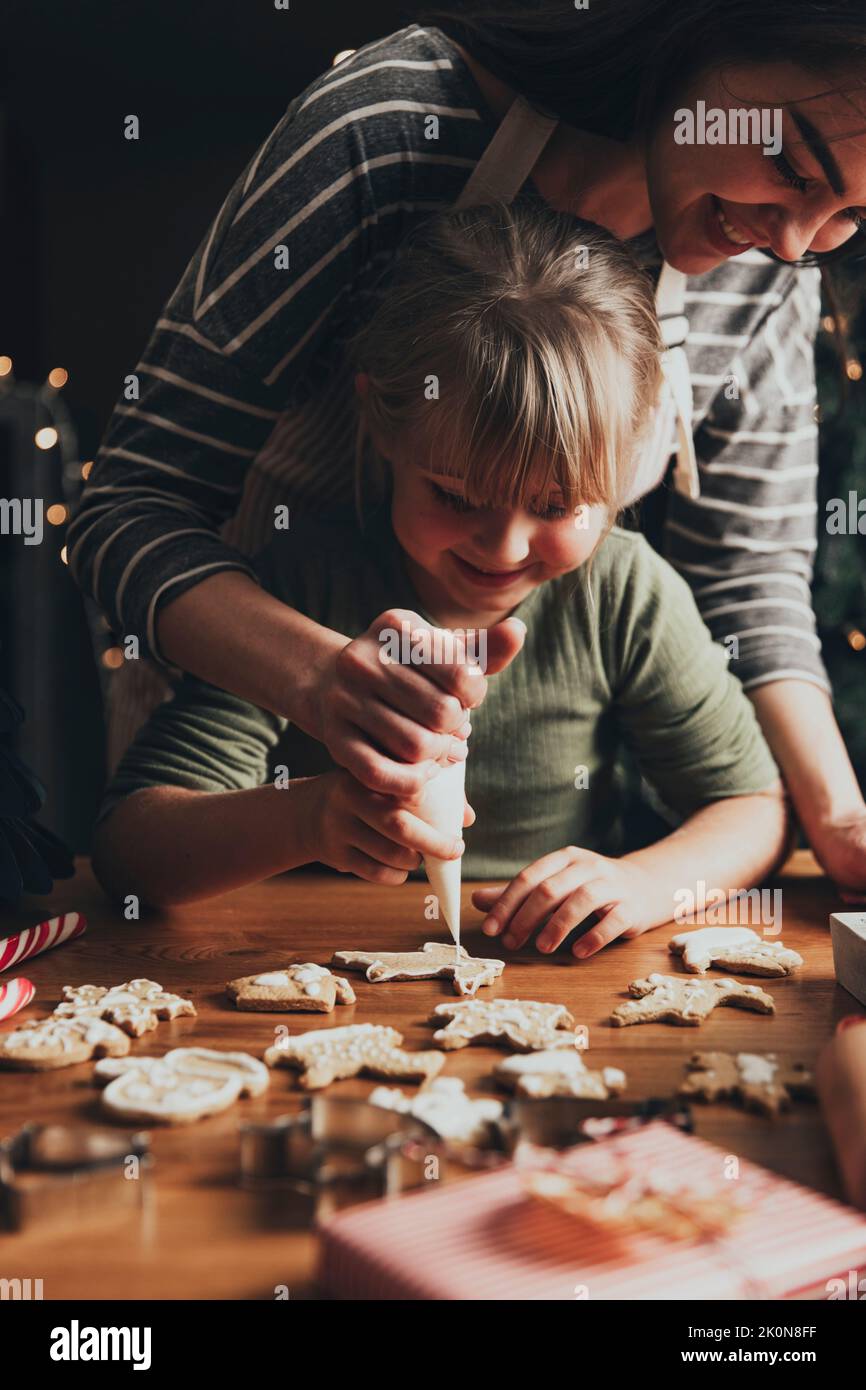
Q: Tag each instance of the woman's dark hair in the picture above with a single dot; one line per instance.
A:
(614, 67)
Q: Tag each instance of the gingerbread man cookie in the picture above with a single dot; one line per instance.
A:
(303, 988)
(434, 959)
(755, 1079)
(54, 1042)
(733, 948)
(671, 999)
(524, 1024)
(186, 1084)
(135, 1007)
(332, 1054)
(562, 1072)
(446, 1108)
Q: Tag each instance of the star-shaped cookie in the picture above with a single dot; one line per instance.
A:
(435, 958)
(332, 1054)
(523, 1024)
(733, 948)
(562, 1072)
(757, 1080)
(303, 988)
(671, 999)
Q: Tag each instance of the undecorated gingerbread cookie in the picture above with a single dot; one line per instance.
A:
(54, 1042)
(671, 999)
(733, 948)
(186, 1084)
(755, 1079)
(435, 958)
(446, 1108)
(333, 1054)
(303, 988)
(562, 1072)
(524, 1024)
(135, 1007)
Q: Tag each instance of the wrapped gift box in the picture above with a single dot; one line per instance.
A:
(485, 1238)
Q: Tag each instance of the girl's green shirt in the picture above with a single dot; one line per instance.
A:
(616, 658)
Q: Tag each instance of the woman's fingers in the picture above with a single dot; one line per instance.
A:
(397, 822)
(556, 905)
(399, 737)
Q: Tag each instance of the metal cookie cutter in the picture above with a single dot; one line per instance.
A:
(336, 1152)
(563, 1121)
(51, 1174)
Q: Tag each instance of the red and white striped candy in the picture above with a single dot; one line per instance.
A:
(33, 940)
(14, 996)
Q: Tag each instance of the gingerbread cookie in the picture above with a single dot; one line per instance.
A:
(446, 1108)
(671, 999)
(135, 1007)
(434, 959)
(60, 1042)
(562, 1072)
(332, 1054)
(303, 988)
(186, 1084)
(756, 1080)
(520, 1023)
(733, 948)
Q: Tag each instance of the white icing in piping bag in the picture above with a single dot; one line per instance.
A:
(441, 806)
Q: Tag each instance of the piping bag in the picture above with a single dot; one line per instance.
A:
(441, 805)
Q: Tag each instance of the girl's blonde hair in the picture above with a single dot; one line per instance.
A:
(518, 349)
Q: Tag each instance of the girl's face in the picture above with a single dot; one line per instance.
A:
(807, 197)
(477, 564)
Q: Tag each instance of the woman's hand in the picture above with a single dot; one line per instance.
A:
(390, 723)
(378, 838)
(563, 889)
(840, 848)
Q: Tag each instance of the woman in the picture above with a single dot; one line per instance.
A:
(248, 360)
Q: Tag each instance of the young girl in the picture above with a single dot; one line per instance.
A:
(507, 379)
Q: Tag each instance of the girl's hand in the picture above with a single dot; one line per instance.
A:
(561, 890)
(379, 838)
(840, 848)
(389, 724)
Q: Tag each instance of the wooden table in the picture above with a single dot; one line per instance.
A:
(201, 1235)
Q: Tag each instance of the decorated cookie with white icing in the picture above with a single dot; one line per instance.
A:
(757, 1080)
(560, 1072)
(304, 988)
(184, 1085)
(136, 1007)
(671, 999)
(524, 1024)
(54, 1042)
(435, 959)
(446, 1108)
(324, 1055)
(733, 948)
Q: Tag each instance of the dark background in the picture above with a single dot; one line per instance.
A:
(96, 230)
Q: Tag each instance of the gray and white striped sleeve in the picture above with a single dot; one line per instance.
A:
(747, 544)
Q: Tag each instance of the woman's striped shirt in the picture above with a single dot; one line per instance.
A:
(243, 397)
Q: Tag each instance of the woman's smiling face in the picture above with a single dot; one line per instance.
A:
(807, 198)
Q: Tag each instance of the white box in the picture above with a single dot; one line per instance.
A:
(848, 934)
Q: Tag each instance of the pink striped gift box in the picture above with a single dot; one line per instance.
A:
(484, 1238)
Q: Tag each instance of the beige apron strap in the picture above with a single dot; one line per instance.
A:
(670, 307)
(510, 157)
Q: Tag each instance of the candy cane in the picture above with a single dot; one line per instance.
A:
(14, 996)
(33, 940)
